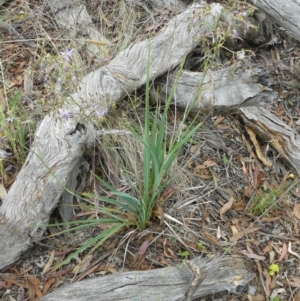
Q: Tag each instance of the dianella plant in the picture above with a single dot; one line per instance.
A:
(134, 208)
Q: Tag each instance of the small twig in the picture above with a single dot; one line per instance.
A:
(261, 278)
(196, 280)
(291, 251)
(113, 132)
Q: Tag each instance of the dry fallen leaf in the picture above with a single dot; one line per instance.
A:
(11, 281)
(258, 297)
(294, 281)
(47, 285)
(271, 256)
(143, 248)
(168, 252)
(241, 234)
(226, 207)
(3, 284)
(234, 229)
(34, 288)
(49, 263)
(296, 210)
(111, 270)
(219, 119)
(203, 174)
(269, 219)
(268, 282)
(267, 248)
(252, 255)
(259, 153)
(219, 235)
(83, 265)
(283, 252)
(91, 270)
(206, 164)
(296, 192)
(139, 258)
(194, 148)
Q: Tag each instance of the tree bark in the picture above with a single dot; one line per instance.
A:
(175, 5)
(226, 273)
(273, 130)
(213, 90)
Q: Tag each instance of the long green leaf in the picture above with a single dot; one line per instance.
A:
(100, 238)
(129, 205)
(146, 138)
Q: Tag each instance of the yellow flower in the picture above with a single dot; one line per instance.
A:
(291, 176)
(273, 268)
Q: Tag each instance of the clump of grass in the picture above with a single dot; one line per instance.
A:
(14, 127)
(264, 200)
(135, 207)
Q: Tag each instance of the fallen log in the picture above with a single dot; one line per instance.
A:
(168, 4)
(229, 89)
(226, 273)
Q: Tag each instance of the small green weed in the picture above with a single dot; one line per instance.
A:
(227, 250)
(264, 200)
(184, 253)
(200, 245)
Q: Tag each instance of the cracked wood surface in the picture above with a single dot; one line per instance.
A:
(272, 129)
(239, 85)
(226, 273)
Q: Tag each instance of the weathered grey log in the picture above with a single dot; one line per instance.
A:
(228, 89)
(168, 4)
(285, 13)
(272, 129)
(226, 273)
(63, 135)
